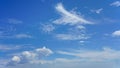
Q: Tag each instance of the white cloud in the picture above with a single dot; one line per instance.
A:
(98, 11)
(4, 47)
(116, 3)
(16, 59)
(116, 33)
(105, 58)
(22, 36)
(18, 36)
(14, 21)
(72, 36)
(30, 56)
(70, 63)
(48, 28)
(107, 54)
(69, 17)
(80, 27)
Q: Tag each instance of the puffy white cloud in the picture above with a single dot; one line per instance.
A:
(16, 59)
(44, 51)
(34, 56)
(69, 17)
(116, 3)
(116, 33)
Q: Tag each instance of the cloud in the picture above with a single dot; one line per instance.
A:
(116, 3)
(30, 56)
(74, 33)
(69, 17)
(4, 47)
(17, 36)
(14, 21)
(69, 63)
(16, 59)
(48, 28)
(107, 54)
(105, 58)
(72, 36)
(22, 36)
(98, 11)
(59, 63)
(116, 33)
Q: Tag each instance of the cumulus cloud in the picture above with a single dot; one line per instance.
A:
(116, 3)
(30, 56)
(80, 58)
(69, 17)
(105, 58)
(116, 33)
(16, 59)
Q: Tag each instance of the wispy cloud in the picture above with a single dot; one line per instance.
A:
(10, 47)
(14, 21)
(69, 17)
(48, 28)
(106, 54)
(4, 47)
(72, 36)
(116, 3)
(74, 33)
(19, 36)
(98, 11)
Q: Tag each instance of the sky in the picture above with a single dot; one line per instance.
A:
(59, 34)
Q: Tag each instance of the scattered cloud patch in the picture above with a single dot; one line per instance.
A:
(30, 56)
(82, 41)
(116, 33)
(69, 17)
(48, 28)
(98, 11)
(14, 21)
(82, 59)
(22, 36)
(74, 33)
(72, 36)
(4, 47)
(116, 3)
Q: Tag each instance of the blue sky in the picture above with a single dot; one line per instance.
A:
(60, 33)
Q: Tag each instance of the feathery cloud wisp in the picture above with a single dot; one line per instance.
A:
(116, 3)
(69, 17)
(103, 55)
